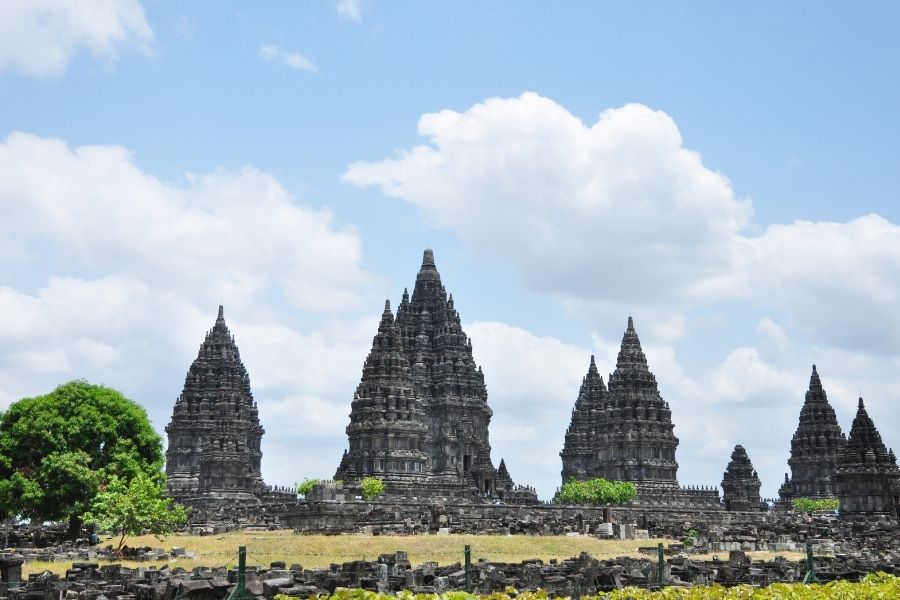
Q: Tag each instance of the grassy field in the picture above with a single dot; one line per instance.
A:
(320, 550)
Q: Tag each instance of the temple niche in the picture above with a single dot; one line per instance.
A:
(214, 436)
(740, 483)
(814, 447)
(866, 477)
(419, 418)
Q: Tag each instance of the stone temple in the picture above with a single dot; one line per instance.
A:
(865, 476)
(625, 432)
(814, 447)
(740, 483)
(419, 418)
(214, 436)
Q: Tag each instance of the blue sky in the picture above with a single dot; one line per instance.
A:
(738, 197)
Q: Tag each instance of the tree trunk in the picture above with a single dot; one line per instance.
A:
(74, 528)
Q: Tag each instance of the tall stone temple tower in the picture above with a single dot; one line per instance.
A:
(214, 436)
(866, 477)
(740, 483)
(814, 447)
(420, 414)
(578, 453)
(624, 433)
(387, 431)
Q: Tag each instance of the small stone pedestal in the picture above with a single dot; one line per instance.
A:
(11, 569)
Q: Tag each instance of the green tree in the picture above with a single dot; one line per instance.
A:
(371, 487)
(307, 485)
(57, 450)
(130, 508)
(597, 491)
(809, 505)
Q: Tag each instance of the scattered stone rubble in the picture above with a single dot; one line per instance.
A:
(394, 572)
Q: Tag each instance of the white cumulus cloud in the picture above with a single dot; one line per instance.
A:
(295, 60)
(41, 37)
(115, 276)
(619, 208)
(618, 216)
(350, 10)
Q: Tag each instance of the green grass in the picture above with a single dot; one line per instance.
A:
(321, 550)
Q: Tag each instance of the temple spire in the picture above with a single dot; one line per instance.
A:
(216, 405)
(814, 446)
(428, 260)
(866, 476)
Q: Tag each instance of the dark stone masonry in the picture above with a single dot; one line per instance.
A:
(866, 477)
(740, 484)
(214, 436)
(814, 447)
(625, 432)
(419, 418)
(419, 421)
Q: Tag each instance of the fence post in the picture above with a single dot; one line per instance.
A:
(468, 555)
(661, 566)
(810, 566)
(242, 573)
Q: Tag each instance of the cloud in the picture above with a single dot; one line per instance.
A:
(533, 382)
(839, 282)
(295, 60)
(618, 216)
(236, 235)
(41, 37)
(350, 10)
(115, 276)
(619, 207)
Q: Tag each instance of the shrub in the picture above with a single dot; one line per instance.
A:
(372, 487)
(307, 485)
(597, 491)
(809, 505)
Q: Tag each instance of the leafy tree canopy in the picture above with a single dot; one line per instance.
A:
(307, 485)
(131, 508)
(56, 450)
(597, 491)
(809, 505)
(371, 487)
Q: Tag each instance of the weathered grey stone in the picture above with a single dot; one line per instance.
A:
(814, 447)
(419, 419)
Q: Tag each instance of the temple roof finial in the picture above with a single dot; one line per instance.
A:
(630, 323)
(221, 312)
(387, 304)
(428, 258)
(861, 405)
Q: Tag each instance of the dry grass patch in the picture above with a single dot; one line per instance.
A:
(321, 550)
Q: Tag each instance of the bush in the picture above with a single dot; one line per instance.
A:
(809, 505)
(372, 487)
(691, 538)
(878, 585)
(597, 491)
(307, 485)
